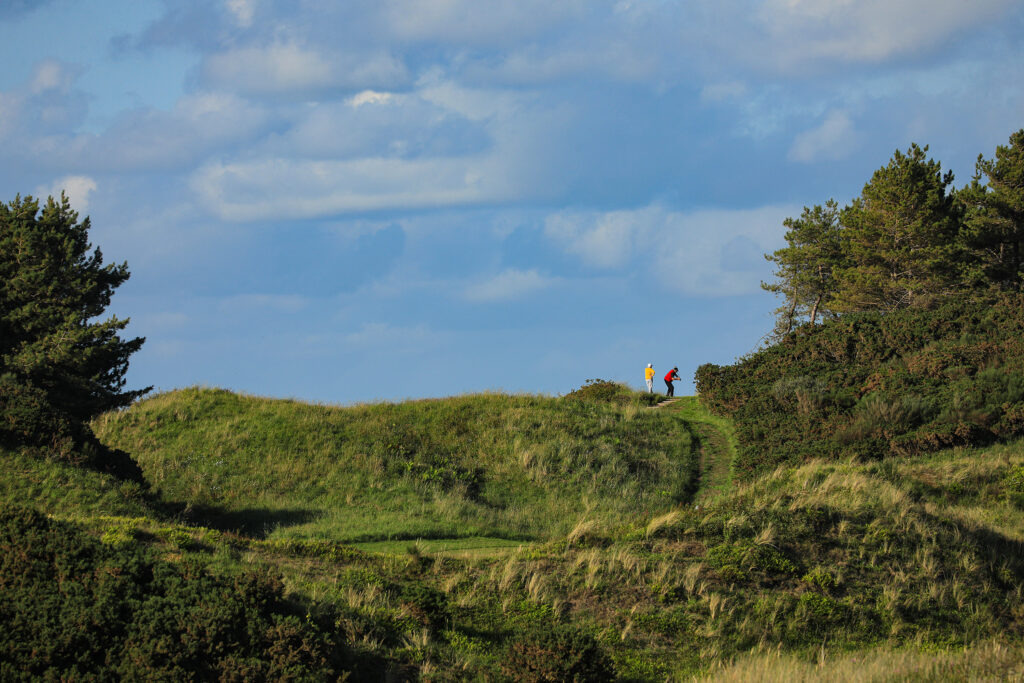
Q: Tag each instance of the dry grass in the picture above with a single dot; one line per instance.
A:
(991, 661)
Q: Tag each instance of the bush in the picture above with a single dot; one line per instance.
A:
(605, 391)
(75, 609)
(874, 385)
(29, 420)
(556, 655)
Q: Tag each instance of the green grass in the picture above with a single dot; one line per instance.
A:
(716, 439)
(434, 533)
(467, 548)
(512, 467)
(69, 492)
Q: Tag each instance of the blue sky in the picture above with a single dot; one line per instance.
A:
(389, 199)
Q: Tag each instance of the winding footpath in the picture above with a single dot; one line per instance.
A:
(715, 442)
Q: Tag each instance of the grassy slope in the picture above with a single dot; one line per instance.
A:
(69, 492)
(515, 467)
(917, 555)
(716, 442)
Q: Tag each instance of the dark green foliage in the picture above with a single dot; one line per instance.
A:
(427, 604)
(605, 391)
(734, 560)
(806, 267)
(875, 385)
(556, 655)
(59, 367)
(899, 238)
(907, 241)
(994, 226)
(75, 609)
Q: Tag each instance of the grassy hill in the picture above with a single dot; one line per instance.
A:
(511, 467)
(629, 549)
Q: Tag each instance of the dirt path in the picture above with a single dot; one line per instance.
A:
(714, 439)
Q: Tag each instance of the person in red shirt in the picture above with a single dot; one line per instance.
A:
(672, 376)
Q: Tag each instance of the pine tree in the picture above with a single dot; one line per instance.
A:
(805, 268)
(900, 237)
(994, 227)
(59, 365)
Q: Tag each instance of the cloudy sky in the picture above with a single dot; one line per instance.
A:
(388, 199)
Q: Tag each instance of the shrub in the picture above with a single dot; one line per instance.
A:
(874, 384)
(550, 655)
(75, 609)
(604, 391)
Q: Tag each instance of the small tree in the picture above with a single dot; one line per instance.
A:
(900, 237)
(994, 227)
(59, 366)
(805, 268)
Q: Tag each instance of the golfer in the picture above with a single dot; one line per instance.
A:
(672, 376)
(649, 378)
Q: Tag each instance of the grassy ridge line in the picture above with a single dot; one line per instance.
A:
(512, 467)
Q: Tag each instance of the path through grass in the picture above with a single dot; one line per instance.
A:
(716, 443)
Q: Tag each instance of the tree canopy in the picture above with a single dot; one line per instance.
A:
(60, 365)
(909, 239)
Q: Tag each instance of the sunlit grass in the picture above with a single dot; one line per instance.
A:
(831, 570)
(512, 467)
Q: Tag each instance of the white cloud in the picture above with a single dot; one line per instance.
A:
(479, 23)
(801, 31)
(48, 75)
(243, 11)
(76, 187)
(508, 284)
(700, 253)
(275, 188)
(199, 125)
(413, 151)
(606, 240)
(619, 60)
(288, 67)
(369, 97)
(834, 139)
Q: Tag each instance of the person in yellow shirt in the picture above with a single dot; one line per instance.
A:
(649, 376)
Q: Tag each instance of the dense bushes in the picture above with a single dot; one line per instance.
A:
(605, 391)
(556, 655)
(29, 421)
(75, 609)
(877, 384)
